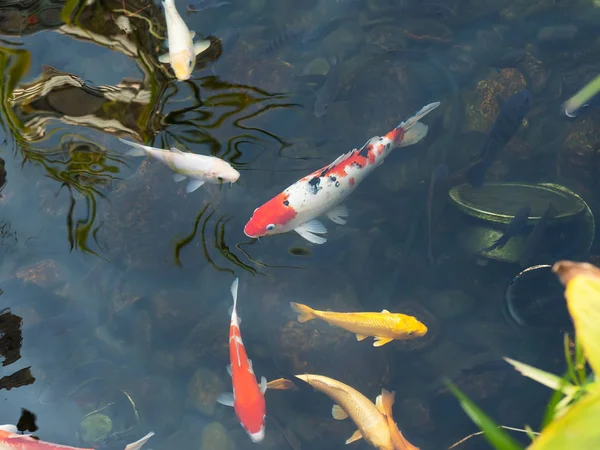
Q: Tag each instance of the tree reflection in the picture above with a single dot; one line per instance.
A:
(63, 105)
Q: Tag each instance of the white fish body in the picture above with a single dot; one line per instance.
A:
(199, 168)
(182, 50)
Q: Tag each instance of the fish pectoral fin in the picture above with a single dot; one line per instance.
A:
(263, 385)
(229, 369)
(379, 341)
(309, 231)
(379, 403)
(175, 150)
(250, 368)
(281, 384)
(9, 428)
(360, 337)
(385, 311)
(164, 58)
(177, 177)
(192, 34)
(355, 437)
(201, 46)
(225, 399)
(337, 214)
(193, 185)
(417, 132)
(338, 413)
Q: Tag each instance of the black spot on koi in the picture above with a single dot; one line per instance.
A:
(314, 184)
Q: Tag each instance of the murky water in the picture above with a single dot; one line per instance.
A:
(119, 280)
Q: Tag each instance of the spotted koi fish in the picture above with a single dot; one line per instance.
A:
(248, 397)
(10, 439)
(323, 191)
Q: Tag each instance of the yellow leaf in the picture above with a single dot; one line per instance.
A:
(577, 429)
(583, 300)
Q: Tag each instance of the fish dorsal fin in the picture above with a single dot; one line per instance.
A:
(340, 158)
(355, 437)
(338, 413)
(263, 385)
(176, 150)
(385, 401)
(385, 311)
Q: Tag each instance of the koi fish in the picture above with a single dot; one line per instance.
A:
(374, 421)
(514, 228)
(10, 439)
(383, 326)
(182, 50)
(199, 168)
(323, 191)
(248, 397)
(505, 126)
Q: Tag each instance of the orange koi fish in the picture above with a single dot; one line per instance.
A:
(323, 191)
(248, 397)
(10, 439)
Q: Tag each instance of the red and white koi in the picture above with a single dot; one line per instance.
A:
(10, 439)
(323, 191)
(248, 397)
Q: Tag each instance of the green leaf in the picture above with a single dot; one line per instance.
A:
(547, 379)
(577, 429)
(496, 436)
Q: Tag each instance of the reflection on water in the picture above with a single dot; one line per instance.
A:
(115, 282)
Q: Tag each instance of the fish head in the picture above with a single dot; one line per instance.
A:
(273, 217)
(183, 63)
(410, 327)
(223, 171)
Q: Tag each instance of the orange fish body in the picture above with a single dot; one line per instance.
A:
(11, 440)
(248, 399)
(383, 326)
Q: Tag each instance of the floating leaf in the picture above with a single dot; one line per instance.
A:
(577, 429)
(547, 379)
(496, 436)
(583, 300)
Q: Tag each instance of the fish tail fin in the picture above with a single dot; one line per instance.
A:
(414, 134)
(139, 443)
(234, 291)
(305, 313)
(384, 403)
(411, 121)
(137, 150)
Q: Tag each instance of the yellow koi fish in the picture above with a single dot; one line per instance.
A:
(383, 326)
(374, 421)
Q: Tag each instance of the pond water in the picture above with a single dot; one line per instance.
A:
(116, 281)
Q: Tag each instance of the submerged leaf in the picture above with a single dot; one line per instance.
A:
(583, 300)
(577, 429)
(496, 436)
(547, 379)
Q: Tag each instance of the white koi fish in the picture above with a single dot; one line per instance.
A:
(182, 50)
(199, 168)
(323, 191)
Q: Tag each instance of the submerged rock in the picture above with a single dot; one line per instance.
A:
(216, 437)
(203, 389)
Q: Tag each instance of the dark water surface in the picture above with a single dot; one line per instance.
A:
(119, 280)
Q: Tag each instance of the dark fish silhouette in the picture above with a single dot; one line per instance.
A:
(514, 228)
(438, 176)
(329, 90)
(504, 128)
(534, 240)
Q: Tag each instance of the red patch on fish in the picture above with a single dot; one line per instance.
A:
(351, 181)
(277, 211)
(396, 135)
